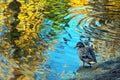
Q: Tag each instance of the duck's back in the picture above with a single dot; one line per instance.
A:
(92, 53)
(87, 55)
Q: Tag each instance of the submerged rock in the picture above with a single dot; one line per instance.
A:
(109, 70)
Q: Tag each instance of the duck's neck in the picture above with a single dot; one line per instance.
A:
(82, 49)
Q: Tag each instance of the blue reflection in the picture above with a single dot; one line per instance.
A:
(64, 61)
(4, 30)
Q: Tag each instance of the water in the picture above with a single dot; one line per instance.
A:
(98, 20)
(95, 22)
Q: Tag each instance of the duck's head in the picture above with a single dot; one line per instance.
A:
(79, 45)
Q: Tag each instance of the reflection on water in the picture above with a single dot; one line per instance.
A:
(63, 61)
(99, 20)
(57, 29)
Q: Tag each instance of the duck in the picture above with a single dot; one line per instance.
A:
(86, 54)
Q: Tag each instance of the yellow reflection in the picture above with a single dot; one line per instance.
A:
(23, 19)
(78, 3)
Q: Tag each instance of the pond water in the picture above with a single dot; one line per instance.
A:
(64, 61)
(93, 22)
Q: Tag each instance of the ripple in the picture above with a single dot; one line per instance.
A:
(100, 19)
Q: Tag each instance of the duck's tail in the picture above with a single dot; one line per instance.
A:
(92, 62)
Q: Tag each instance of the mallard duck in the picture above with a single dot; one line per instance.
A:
(86, 54)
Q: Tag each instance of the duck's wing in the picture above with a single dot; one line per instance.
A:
(91, 53)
